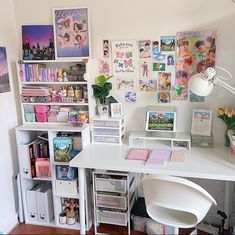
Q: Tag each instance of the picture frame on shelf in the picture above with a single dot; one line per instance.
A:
(103, 110)
(116, 109)
(201, 122)
(71, 33)
(65, 173)
(38, 42)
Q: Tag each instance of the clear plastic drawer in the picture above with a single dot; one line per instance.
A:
(111, 201)
(110, 217)
(110, 185)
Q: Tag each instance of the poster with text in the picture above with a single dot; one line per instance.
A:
(124, 58)
(195, 52)
(71, 32)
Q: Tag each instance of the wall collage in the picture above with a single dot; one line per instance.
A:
(162, 66)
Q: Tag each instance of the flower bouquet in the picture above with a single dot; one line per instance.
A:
(228, 116)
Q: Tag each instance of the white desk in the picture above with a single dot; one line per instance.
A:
(207, 163)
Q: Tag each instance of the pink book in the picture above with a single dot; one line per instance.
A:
(138, 154)
(159, 156)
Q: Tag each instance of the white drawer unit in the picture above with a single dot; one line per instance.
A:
(113, 194)
(111, 217)
(108, 130)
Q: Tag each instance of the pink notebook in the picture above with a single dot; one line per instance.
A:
(159, 156)
(138, 154)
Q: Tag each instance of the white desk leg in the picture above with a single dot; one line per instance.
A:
(81, 179)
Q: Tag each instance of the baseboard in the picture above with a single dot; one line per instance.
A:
(9, 224)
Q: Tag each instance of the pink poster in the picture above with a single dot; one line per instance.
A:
(195, 51)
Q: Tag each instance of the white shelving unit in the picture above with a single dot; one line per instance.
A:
(114, 194)
(26, 134)
(82, 83)
(108, 130)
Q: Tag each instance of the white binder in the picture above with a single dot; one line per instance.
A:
(25, 161)
(31, 203)
(44, 204)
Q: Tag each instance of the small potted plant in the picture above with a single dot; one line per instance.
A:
(101, 90)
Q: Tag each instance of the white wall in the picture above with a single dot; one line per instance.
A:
(131, 19)
(8, 121)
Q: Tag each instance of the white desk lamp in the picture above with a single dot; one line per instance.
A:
(202, 84)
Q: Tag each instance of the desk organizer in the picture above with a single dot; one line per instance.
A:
(142, 139)
(108, 130)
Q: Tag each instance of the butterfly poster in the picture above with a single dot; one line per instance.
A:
(124, 58)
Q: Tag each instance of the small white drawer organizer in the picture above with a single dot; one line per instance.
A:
(108, 130)
(114, 194)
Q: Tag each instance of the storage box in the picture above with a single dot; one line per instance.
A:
(142, 222)
(66, 187)
(41, 108)
(43, 169)
(29, 109)
(41, 117)
(29, 117)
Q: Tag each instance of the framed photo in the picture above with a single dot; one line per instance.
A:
(201, 122)
(71, 33)
(38, 42)
(66, 173)
(4, 75)
(116, 109)
(104, 110)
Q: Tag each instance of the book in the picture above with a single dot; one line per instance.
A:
(138, 154)
(62, 148)
(159, 156)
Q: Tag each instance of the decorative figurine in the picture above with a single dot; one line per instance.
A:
(65, 79)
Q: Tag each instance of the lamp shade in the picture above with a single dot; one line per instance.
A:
(199, 85)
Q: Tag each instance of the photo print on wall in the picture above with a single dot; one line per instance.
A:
(4, 74)
(195, 52)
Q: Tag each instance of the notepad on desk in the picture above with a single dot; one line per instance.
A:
(159, 156)
(138, 154)
(178, 156)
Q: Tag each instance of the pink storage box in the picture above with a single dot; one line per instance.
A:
(43, 168)
(41, 108)
(41, 117)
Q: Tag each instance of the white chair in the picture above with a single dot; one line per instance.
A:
(175, 201)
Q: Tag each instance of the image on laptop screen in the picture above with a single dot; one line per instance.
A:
(162, 121)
